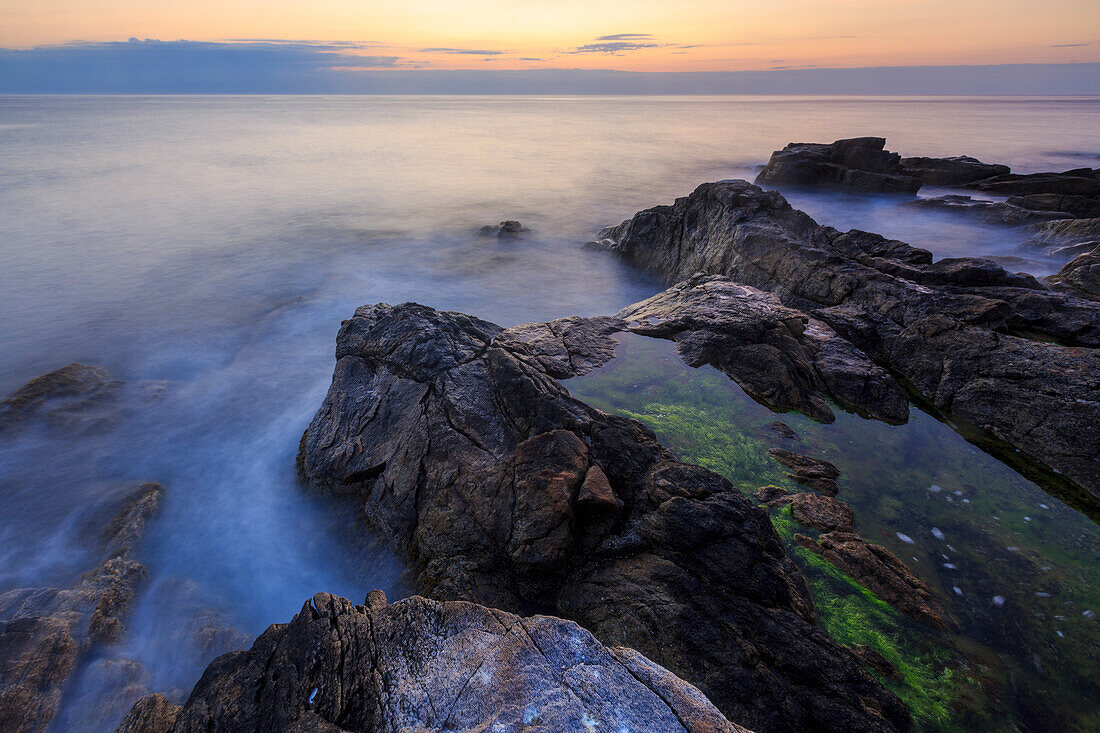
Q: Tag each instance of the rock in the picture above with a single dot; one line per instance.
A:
(780, 356)
(881, 572)
(962, 334)
(857, 164)
(105, 691)
(567, 347)
(152, 714)
(63, 396)
(771, 494)
(471, 459)
(822, 512)
(510, 229)
(954, 171)
(45, 632)
(1062, 232)
(424, 665)
(1083, 207)
(877, 663)
(1083, 182)
(1081, 276)
(817, 474)
(994, 212)
(783, 429)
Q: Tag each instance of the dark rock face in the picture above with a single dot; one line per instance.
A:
(944, 327)
(881, 572)
(506, 491)
(44, 632)
(1063, 239)
(1082, 207)
(1081, 276)
(857, 164)
(822, 512)
(64, 396)
(1084, 182)
(428, 666)
(954, 171)
(780, 356)
(510, 229)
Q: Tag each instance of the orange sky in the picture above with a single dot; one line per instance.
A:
(639, 35)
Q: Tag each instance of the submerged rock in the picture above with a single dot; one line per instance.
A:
(506, 491)
(881, 572)
(509, 229)
(857, 164)
(822, 512)
(63, 396)
(959, 332)
(45, 632)
(423, 665)
(817, 474)
(995, 212)
(1084, 182)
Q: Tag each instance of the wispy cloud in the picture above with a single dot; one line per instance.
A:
(624, 37)
(1070, 45)
(463, 51)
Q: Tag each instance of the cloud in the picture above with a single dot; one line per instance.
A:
(1070, 45)
(463, 51)
(613, 47)
(624, 37)
(529, 58)
(151, 66)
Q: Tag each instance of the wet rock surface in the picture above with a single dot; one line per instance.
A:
(45, 633)
(856, 164)
(958, 331)
(880, 571)
(474, 461)
(1081, 276)
(817, 474)
(995, 212)
(425, 665)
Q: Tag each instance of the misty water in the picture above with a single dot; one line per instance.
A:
(205, 250)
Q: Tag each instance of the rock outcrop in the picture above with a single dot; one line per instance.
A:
(815, 473)
(509, 229)
(994, 212)
(857, 164)
(1063, 239)
(423, 665)
(953, 171)
(45, 632)
(958, 331)
(504, 490)
(1081, 276)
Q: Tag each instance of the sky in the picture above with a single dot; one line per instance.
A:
(268, 45)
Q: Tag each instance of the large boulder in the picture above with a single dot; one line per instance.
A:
(1083, 182)
(857, 164)
(960, 332)
(504, 490)
(953, 171)
(426, 666)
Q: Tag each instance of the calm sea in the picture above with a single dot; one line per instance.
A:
(215, 244)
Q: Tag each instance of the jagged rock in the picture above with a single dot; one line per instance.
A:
(44, 632)
(152, 714)
(428, 666)
(105, 691)
(780, 356)
(822, 512)
(1081, 276)
(472, 460)
(510, 229)
(567, 347)
(857, 164)
(995, 212)
(881, 572)
(954, 171)
(817, 474)
(940, 327)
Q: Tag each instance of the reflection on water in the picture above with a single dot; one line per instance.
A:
(211, 245)
(1019, 570)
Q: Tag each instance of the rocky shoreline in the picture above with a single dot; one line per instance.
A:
(572, 572)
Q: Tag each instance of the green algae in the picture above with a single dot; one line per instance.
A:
(1027, 664)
